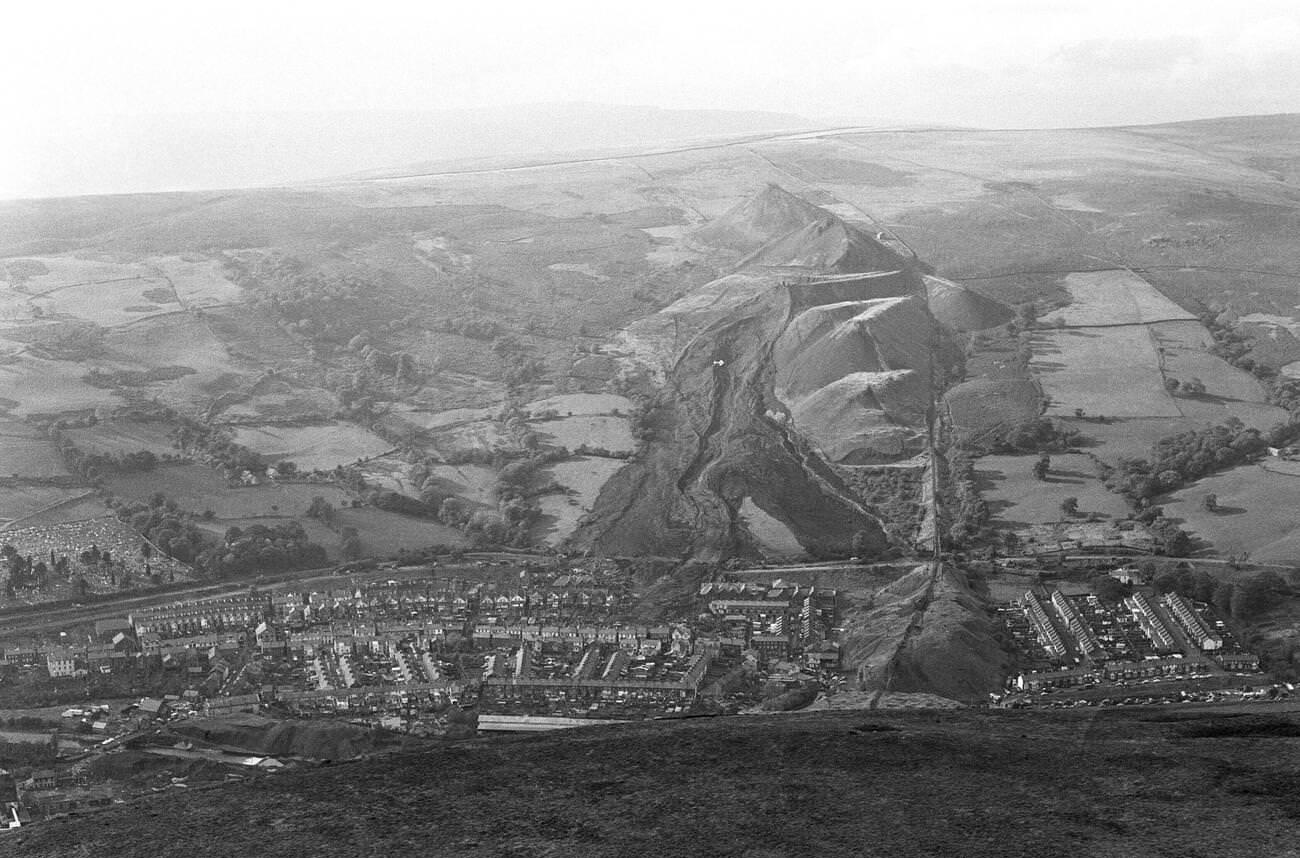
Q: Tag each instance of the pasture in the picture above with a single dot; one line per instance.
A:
(33, 385)
(197, 488)
(595, 431)
(474, 483)
(316, 447)
(122, 436)
(1017, 499)
(1256, 513)
(384, 533)
(25, 451)
(18, 503)
(1110, 371)
(199, 282)
(582, 405)
(109, 303)
(1117, 297)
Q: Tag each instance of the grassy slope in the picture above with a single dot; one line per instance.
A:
(926, 783)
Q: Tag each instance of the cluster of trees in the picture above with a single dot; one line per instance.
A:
(971, 511)
(1192, 386)
(191, 437)
(1188, 456)
(163, 523)
(400, 365)
(1033, 435)
(1244, 600)
(325, 306)
(258, 547)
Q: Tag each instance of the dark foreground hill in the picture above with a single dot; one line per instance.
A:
(1097, 783)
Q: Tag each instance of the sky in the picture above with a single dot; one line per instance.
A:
(87, 82)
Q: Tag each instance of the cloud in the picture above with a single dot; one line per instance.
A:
(1125, 56)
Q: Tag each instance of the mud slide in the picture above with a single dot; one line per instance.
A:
(928, 633)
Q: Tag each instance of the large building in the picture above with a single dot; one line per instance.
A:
(1192, 622)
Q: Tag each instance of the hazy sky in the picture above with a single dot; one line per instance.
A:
(994, 64)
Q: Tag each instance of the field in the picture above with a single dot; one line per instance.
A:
(383, 533)
(122, 436)
(19, 502)
(584, 475)
(1125, 439)
(610, 433)
(31, 385)
(1113, 298)
(582, 404)
(1112, 371)
(1016, 499)
(1255, 515)
(25, 451)
(473, 482)
(199, 282)
(389, 472)
(313, 447)
(197, 488)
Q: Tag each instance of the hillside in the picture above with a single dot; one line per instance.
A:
(861, 783)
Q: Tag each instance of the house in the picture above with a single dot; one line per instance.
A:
(152, 707)
(106, 630)
(60, 662)
(44, 779)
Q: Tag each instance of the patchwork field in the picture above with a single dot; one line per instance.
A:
(1016, 499)
(1112, 371)
(1116, 297)
(1256, 513)
(313, 447)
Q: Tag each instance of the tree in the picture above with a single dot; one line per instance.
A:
(1194, 386)
(1171, 385)
(1211, 502)
(1109, 589)
(1042, 467)
(1255, 595)
(321, 509)
(1070, 506)
(350, 543)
